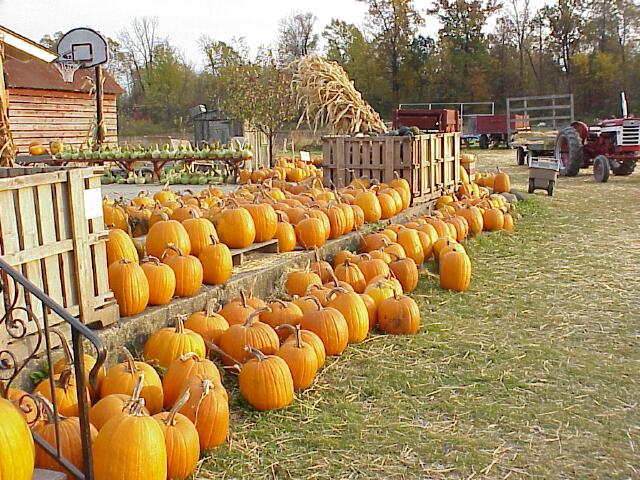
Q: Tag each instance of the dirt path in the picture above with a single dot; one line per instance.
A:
(532, 374)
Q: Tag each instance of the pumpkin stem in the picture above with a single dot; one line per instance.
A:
(180, 324)
(282, 303)
(256, 353)
(214, 240)
(172, 247)
(65, 346)
(137, 389)
(286, 326)
(335, 291)
(190, 356)
(171, 419)
(365, 255)
(334, 279)
(212, 307)
(151, 259)
(65, 378)
(214, 348)
(47, 409)
(252, 316)
(314, 300)
(243, 299)
(129, 360)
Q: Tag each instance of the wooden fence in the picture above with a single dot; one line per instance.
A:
(51, 229)
(430, 163)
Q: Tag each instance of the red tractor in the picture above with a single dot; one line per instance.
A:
(612, 145)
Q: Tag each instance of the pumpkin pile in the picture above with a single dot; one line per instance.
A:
(169, 244)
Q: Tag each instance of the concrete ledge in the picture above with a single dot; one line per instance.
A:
(263, 274)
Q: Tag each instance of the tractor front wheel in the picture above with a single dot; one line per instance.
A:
(601, 168)
(521, 155)
(569, 151)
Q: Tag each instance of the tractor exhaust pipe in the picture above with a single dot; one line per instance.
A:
(623, 104)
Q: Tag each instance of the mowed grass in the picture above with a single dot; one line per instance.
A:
(533, 373)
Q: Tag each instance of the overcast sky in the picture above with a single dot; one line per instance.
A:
(183, 22)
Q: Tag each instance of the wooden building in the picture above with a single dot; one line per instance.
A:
(42, 106)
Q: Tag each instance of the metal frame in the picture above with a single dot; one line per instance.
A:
(560, 106)
(14, 286)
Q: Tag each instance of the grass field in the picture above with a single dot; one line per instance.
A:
(533, 373)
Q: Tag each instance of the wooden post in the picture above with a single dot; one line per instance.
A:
(100, 126)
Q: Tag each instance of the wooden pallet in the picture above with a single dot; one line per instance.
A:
(52, 231)
(238, 254)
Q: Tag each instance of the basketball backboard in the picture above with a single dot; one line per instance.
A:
(80, 48)
(83, 46)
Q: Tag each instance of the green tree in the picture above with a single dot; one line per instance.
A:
(393, 23)
(259, 93)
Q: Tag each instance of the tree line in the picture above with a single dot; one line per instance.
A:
(485, 50)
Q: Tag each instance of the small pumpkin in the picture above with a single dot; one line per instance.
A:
(169, 343)
(208, 409)
(164, 233)
(351, 274)
(299, 281)
(310, 233)
(140, 455)
(265, 220)
(280, 313)
(187, 269)
(66, 392)
(123, 377)
(120, 246)
(370, 205)
(253, 333)
(493, 219)
(307, 336)
(354, 311)
(372, 309)
(237, 310)
(329, 324)
(455, 271)
(161, 280)
(406, 271)
(217, 263)
(181, 441)
(399, 315)
(236, 227)
(181, 371)
(301, 359)
(70, 446)
(130, 287)
(411, 244)
(201, 233)
(285, 234)
(209, 324)
(108, 407)
(501, 182)
(372, 267)
(265, 381)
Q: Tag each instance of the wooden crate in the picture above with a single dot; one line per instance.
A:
(46, 234)
(430, 163)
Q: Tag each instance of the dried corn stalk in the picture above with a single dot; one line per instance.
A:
(7, 147)
(327, 96)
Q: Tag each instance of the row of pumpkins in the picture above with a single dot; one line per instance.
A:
(188, 236)
(276, 347)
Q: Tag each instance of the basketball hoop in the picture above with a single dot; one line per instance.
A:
(67, 70)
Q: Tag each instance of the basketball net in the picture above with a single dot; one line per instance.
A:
(67, 70)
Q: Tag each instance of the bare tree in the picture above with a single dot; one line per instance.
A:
(519, 12)
(141, 41)
(297, 37)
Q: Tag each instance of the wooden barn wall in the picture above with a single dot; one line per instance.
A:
(45, 115)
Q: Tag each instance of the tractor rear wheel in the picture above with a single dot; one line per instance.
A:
(622, 168)
(569, 151)
(484, 141)
(521, 155)
(601, 168)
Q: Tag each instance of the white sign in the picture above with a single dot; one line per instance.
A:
(305, 156)
(93, 203)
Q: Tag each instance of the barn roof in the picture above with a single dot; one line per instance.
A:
(27, 65)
